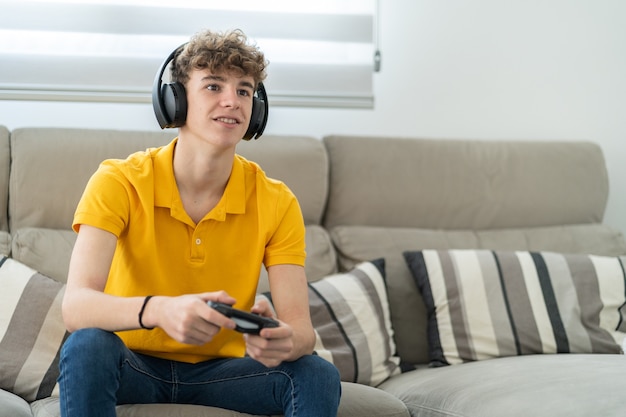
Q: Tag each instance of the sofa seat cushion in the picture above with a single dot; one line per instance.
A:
(483, 304)
(356, 401)
(576, 385)
(356, 244)
(13, 406)
(49, 407)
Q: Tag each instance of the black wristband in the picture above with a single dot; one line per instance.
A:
(143, 307)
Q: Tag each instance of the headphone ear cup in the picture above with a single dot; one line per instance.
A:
(259, 114)
(257, 118)
(174, 103)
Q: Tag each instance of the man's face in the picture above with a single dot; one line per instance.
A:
(219, 105)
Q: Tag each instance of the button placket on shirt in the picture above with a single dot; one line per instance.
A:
(197, 242)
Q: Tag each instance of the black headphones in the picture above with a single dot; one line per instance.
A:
(170, 102)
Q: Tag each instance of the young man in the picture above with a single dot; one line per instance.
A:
(167, 230)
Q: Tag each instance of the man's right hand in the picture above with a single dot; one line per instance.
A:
(188, 319)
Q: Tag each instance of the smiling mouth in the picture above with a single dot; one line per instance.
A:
(227, 120)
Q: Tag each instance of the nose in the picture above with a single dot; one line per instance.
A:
(230, 98)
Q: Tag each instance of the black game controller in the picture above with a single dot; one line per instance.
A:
(246, 322)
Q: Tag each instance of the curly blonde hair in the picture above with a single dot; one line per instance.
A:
(219, 52)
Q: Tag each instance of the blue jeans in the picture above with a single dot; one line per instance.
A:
(98, 372)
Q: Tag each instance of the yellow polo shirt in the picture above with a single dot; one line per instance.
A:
(161, 251)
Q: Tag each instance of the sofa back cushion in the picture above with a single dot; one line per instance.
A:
(51, 167)
(45, 250)
(5, 243)
(5, 159)
(464, 184)
(300, 162)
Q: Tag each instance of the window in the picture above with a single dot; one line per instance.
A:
(321, 54)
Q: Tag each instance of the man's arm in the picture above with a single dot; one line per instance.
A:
(84, 303)
(187, 318)
(295, 337)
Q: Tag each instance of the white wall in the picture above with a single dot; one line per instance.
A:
(489, 69)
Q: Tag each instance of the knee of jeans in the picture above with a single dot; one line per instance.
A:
(326, 373)
(92, 344)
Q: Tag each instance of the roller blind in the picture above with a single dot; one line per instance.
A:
(320, 54)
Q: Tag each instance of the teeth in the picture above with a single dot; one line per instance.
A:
(225, 120)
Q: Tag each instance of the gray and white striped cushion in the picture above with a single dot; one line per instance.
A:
(350, 314)
(483, 304)
(351, 319)
(31, 330)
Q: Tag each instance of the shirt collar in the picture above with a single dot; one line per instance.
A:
(166, 192)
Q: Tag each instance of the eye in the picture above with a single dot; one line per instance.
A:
(244, 93)
(213, 87)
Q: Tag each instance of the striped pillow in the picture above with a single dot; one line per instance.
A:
(31, 330)
(483, 304)
(350, 314)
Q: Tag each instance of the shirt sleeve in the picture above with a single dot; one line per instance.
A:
(287, 243)
(105, 201)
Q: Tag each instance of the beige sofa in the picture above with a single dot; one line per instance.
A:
(363, 198)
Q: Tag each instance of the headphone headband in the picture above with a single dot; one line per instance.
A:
(169, 102)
